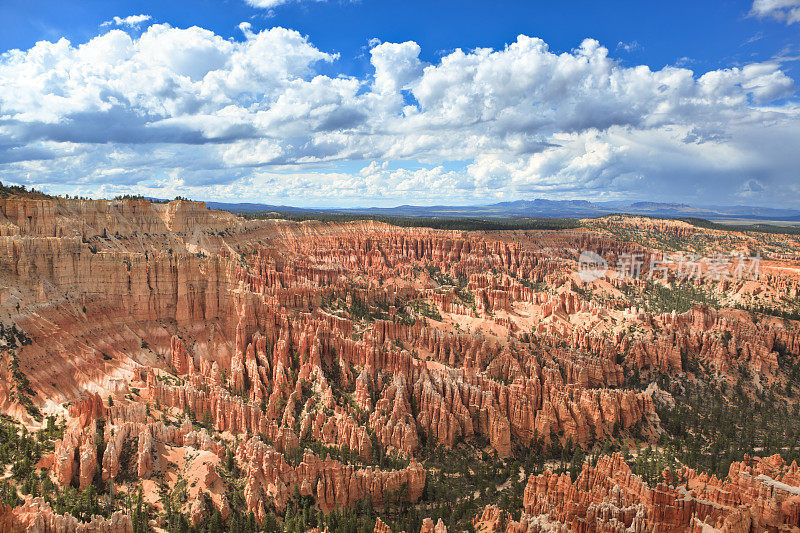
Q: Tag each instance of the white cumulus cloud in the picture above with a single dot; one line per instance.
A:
(132, 21)
(256, 118)
(784, 10)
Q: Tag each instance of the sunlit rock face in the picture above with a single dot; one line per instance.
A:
(185, 347)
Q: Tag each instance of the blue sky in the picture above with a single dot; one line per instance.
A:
(375, 105)
(709, 34)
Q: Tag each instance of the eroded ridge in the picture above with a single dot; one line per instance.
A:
(183, 366)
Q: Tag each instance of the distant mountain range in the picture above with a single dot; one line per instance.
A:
(537, 208)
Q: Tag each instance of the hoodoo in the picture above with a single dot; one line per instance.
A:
(174, 364)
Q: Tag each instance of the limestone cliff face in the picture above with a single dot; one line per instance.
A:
(152, 286)
(59, 217)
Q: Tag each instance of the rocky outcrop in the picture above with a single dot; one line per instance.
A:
(381, 527)
(75, 456)
(35, 516)
(760, 493)
(181, 361)
(330, 482)
(144, 460)
(338, 430)
(88, 461)
(492, 519)
(392, 420)
(429, 527)
(191, 331)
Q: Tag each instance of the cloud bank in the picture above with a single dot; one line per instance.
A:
(185, 111)
(784, 10)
